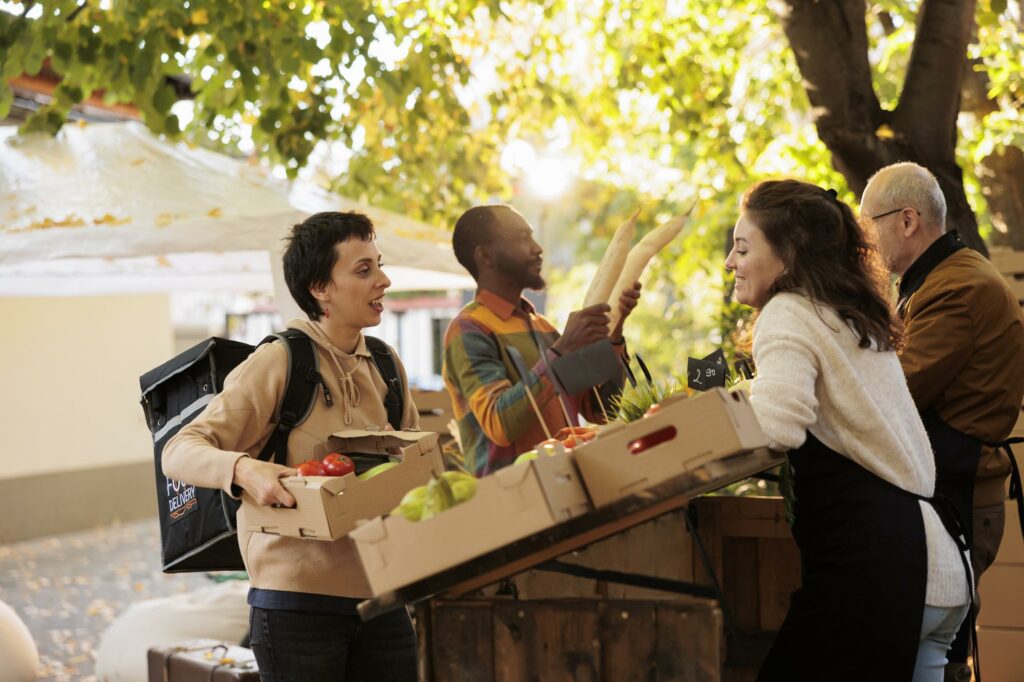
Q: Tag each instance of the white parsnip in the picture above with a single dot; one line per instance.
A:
(641, 254)
(611, 263)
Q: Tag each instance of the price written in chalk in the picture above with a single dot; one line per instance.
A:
(702, 375)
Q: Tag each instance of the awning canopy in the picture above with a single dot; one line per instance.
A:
(110, 208)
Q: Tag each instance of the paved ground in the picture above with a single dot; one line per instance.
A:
(68, 588)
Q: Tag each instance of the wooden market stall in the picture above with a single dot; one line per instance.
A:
(606, 621)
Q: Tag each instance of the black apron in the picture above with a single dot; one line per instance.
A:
(858, 612)
(1016, 485)
(956, 468)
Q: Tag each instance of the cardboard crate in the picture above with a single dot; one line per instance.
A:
(435, 410)
(328, 507)
(509, 505)
(708, 426)
(498, 640)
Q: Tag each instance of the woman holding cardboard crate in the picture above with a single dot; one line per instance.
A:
(303, 622)
(884, 585)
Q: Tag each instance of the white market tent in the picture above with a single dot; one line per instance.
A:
(110, 208)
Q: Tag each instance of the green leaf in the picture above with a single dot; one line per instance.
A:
(266, 123)
(986, 18)
(628, 90)
(14, 64)
(67, 94)
(62, 54)
(164, 98)
(34, 58)
(6, 99)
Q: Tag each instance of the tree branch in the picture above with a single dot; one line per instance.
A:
(974, 91)
(888, 25)
(829, 40)
(78, 10)
(930, 100)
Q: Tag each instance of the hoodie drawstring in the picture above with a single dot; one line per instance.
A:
(349, 391)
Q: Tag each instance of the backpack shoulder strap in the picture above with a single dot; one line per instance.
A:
(395, 400)
(299, 392)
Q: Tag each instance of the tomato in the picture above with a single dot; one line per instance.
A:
(337, 464)
(311, 467)
(578, 431)
(570, 442)
(653, 409)
(650, 440)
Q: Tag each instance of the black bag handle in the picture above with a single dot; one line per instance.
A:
(395, 399)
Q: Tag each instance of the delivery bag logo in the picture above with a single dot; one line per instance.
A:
(181, 499)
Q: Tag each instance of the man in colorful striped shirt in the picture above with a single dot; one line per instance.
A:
(496, 419)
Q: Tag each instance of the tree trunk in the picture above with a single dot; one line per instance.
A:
(1002, 183)
(829, 40)
(1001, 173)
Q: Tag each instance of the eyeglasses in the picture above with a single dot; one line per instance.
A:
(882, 215)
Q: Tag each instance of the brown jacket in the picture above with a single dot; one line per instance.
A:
(964, 357)
(238, 422)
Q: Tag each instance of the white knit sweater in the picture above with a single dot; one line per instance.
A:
(813, 376)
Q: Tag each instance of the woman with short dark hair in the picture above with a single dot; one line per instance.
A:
(303, 624)
(884, 586)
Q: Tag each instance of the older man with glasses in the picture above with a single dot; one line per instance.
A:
(963, 355)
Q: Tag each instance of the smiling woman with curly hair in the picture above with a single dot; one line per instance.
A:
(884, 586)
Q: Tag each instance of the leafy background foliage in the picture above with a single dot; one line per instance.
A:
(413, 106)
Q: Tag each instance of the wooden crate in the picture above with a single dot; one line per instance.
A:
(661, 548)
(1010, 264)
(750, 548)
(1001, 621)
(1001, 654)
(504, 640)
(752, 551)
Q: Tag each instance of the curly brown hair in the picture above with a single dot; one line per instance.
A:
(827, 257)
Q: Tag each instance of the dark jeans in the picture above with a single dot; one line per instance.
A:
(304, 646)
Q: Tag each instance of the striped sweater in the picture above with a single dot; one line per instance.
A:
(496, 420)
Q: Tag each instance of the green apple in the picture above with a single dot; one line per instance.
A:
(527, 456)
(379, 469)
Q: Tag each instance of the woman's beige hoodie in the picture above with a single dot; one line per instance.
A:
(238, 422)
